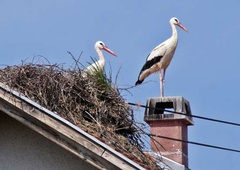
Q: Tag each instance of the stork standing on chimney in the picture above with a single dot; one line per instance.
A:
(161, 56)
(98, 65)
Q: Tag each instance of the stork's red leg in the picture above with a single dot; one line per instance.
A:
(161, 83)
(164, 71)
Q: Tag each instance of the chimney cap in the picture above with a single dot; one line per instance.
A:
(175, 103)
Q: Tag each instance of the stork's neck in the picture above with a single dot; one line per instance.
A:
(174, 31)
(100, 54)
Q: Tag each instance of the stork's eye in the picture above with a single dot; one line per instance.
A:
(101, 43)
(176, 20)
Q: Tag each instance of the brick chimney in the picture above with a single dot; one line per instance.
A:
(170, 125)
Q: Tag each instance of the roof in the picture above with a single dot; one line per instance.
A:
(166, 163)
(62, 132)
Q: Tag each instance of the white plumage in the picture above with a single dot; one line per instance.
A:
(98, 65)
(161, 56)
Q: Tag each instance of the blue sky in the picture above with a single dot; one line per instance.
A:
(205, 69)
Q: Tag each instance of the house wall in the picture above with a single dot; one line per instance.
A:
(23, 149)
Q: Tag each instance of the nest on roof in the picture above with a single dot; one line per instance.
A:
(90, 103)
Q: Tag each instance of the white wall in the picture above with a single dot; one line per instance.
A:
(23, 149)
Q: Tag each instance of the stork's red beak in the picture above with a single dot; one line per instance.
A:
(109, 51)
(181, 26)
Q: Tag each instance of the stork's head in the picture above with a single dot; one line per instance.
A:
(101, 46)
(176, 21)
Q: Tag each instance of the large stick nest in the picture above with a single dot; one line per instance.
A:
(90, 103)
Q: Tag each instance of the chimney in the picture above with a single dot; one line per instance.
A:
(171, 125)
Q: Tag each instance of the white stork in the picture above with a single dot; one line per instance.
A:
(98, 65)
(161, 56)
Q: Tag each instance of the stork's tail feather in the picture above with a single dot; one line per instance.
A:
(138, 82)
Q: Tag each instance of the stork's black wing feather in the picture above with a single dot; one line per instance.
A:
(150, 63)
(147, 65)
(154, 57)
